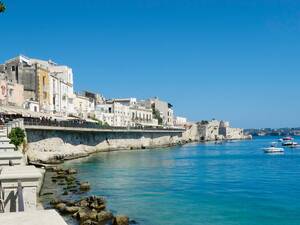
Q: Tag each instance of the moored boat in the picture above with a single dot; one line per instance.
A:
(273, 150)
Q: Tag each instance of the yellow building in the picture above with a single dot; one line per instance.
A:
(43, 88)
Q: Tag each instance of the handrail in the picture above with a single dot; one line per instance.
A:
(20, 197)
(2, 207)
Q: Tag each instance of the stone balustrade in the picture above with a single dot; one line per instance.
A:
(10, 178)
(38, 217)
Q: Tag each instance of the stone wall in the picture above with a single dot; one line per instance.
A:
(48, 146)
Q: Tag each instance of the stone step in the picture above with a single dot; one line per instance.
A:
(37, 217)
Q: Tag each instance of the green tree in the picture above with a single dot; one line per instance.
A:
(17, 136)
(2, 7)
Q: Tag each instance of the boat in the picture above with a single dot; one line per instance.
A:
(273, 149)
(290, 144)
(287, 138)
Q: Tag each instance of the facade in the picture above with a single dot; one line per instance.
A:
(43, 88)
(46, 82)
(180, 121)
(165, 109)
(31, 105)
(21, 70)
(11, 94)
(114, 114)
(83, 106)
(209, 130)
(142, 116)
(229, 132)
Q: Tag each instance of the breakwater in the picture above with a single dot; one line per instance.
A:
(53, 145)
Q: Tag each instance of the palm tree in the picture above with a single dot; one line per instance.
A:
(2, 7)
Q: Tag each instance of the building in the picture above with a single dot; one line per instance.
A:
(11, 94)
(46, 82)
(83, 106)
(142, 116)
(229, 132)
(31, 105)
(180, 121)
(114, 114)
(165, 110)
(21, 70)
(43, 88)
(209, 130)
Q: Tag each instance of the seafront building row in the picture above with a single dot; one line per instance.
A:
(47, 87)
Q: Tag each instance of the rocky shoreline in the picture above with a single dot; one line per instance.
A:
(70, 197)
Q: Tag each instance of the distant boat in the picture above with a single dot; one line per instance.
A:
(273, 149)
(287, 139)
(290, 144)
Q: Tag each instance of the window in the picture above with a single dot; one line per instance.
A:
(13, 68)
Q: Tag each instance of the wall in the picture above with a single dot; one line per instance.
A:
(51, 145)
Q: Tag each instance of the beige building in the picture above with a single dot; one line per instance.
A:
(83, 106)
(165, 110)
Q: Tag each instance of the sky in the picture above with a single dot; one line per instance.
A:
(232, 60)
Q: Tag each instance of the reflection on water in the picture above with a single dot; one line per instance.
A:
(228, 184)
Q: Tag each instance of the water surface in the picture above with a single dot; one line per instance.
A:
(199, 184)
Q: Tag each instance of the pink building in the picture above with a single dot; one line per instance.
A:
(11, 94)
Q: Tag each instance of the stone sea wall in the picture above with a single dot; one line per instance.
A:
(51, 146)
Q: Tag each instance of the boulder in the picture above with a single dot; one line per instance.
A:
(85, 186)
(82, 215)
(72, 209)
(121, 220)
(104, 216)
(60, 207)
(71, 171)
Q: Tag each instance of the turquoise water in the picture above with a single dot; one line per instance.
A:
(199, 184)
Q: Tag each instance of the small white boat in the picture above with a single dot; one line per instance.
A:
(273, 150)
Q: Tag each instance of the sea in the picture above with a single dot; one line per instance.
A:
(223, 183)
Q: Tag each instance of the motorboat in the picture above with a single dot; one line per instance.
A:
(290, 144)
(287, 138)
(273, 149)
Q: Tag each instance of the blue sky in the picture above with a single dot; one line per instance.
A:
(233, 60)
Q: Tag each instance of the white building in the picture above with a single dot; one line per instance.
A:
(114, 114)
(83, 106)
(125, 112)
(180, 121)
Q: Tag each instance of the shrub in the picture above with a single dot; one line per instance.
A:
(17, 136)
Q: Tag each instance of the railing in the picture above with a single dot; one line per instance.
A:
(76, 123)
(20, 197)
(2, 206)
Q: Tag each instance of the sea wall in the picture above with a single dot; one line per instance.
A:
(50, 146)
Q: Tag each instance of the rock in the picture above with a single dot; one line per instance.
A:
(93, 215)
(71, 209)
(121, 220)
(104, 216)
(55, 201)
(87, 222)
(85, 186)
(71, 171)
(83, 203)
(70, 178)
(60, 207)
(99, 207)
(82, 215)
(65, 193)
